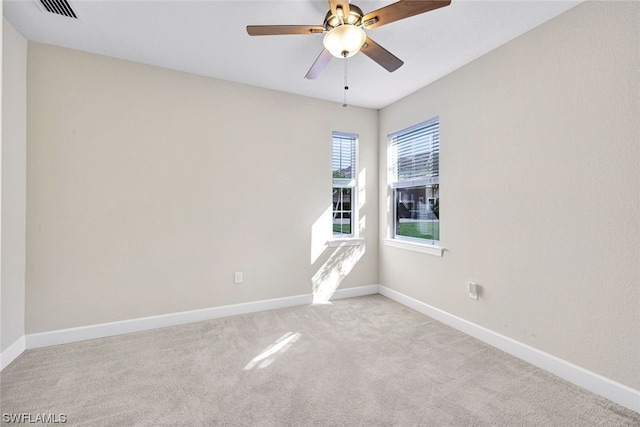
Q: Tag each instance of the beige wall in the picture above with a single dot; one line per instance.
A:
(539, 190)
(149, 188)
(14, 142)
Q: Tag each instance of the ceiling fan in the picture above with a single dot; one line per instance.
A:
(344, 27)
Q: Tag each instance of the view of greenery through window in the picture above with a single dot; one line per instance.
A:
(418, 220)
(341, 210)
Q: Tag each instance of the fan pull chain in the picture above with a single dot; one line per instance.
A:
(346, 86)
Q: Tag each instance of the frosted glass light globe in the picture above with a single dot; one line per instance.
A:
(344, 40)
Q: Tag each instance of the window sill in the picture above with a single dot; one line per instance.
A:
(415, 247)
(348, 241)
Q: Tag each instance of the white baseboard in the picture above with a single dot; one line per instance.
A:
(12, 352)
(595, 383)
(64, 336)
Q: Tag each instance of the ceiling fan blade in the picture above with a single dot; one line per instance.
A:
(382, 56)
(344, 4)
(321, 62)
(276, 30)
(400, 10)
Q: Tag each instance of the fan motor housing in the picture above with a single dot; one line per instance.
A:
(354, 18)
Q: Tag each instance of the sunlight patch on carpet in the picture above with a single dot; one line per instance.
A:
(271, 353)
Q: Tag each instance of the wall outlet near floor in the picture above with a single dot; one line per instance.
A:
(237, 277)
(472, 289)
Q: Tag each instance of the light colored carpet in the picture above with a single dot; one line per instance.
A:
(358, 362)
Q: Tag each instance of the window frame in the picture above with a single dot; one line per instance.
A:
(422, 183)
(341, 239)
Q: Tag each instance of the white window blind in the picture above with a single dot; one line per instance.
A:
(344, 155)
(415, 154)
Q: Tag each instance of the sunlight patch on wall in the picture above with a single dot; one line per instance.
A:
(362, 199)
(274, 351)
(329, 277)
(362, 194)
(320, 234)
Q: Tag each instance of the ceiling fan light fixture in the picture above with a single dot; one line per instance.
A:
(344, 40)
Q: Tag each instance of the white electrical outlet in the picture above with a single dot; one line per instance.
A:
(237, 277)
(472, 289)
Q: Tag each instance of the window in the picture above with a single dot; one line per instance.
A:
(344, 183)
(415, 153)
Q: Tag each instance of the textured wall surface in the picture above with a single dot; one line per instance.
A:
(149, 188)
(539, 190)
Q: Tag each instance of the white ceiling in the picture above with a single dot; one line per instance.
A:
(209, 38)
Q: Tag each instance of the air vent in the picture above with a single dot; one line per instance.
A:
(59, 7)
